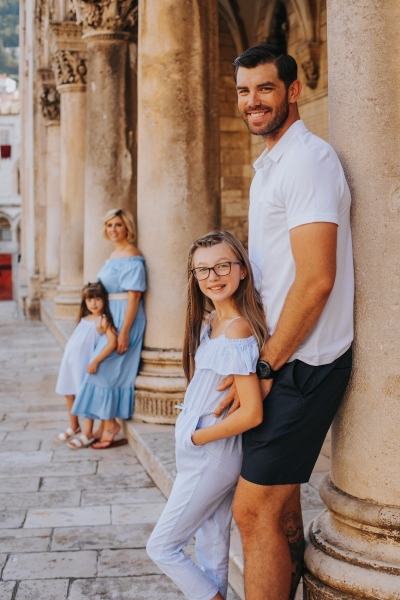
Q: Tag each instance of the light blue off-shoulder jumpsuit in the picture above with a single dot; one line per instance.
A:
(201, 498)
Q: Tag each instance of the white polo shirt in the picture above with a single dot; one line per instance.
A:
(301, 181)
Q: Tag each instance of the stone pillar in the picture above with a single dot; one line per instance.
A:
(53, 201)
(353, 546)
(178, 179)
(108, 31)
(69, 66)
(47, 180)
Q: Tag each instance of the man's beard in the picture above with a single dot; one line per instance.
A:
(279, 119)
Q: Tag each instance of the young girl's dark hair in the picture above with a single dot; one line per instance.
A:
(247, 299)
(95, 290)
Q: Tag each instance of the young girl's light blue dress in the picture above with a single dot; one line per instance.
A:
(109, 393)
(201, 498)
(76, 358)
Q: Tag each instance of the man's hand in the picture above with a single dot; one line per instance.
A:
(230, 398)
(265, 385)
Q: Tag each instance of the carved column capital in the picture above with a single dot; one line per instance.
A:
(69, 68)
(110, 19)
(309, 58)
(48, 96)
(68, 55)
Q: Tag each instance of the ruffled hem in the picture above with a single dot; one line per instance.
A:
(227, 356)
(94, 402)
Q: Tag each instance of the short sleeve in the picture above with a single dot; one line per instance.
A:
(228, 356)
(133, 276)
(313, 191)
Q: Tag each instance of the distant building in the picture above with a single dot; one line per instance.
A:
(9, 96)
(10, 202)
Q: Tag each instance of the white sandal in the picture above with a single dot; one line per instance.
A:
(81, 441)
(67, 434)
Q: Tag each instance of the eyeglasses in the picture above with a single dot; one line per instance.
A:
(221, 269)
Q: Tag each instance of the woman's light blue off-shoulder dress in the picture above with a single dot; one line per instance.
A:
(109, 393)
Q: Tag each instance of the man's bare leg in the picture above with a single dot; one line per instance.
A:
(260, 514)
(292, 523)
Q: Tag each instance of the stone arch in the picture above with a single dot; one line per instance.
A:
(16, 229)
(228, 11)
(234, 137)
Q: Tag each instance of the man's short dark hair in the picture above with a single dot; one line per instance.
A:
(268, 53)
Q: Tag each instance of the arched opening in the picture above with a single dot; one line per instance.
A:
(279, 30)
(5, 230)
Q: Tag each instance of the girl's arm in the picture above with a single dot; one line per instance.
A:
(130, 314)
(247, 416)
(110, 347)
(250, 412)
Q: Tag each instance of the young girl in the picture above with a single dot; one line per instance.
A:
(225, 341)
(93, 321)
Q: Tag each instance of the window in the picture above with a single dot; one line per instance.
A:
(5, 230)
(5, 137)
(5, 143)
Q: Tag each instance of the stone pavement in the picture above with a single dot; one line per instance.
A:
(154, 446)
(73, 524)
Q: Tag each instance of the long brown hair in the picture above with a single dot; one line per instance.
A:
(246, 298)
(95, 290)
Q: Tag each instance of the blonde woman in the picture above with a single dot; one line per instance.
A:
(109, 393)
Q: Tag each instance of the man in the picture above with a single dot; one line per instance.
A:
(300, 242)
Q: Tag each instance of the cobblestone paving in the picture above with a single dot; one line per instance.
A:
(73, 524)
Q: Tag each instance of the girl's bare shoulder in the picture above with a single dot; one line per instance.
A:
(238, 329)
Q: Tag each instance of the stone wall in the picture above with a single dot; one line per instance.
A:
(236, 171)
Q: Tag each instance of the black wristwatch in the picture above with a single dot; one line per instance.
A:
(264, 370)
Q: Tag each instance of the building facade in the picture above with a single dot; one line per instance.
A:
(10, 198)
(133, 105)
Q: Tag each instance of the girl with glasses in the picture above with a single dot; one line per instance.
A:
(225, 330)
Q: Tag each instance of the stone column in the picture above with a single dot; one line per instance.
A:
(53, 203)
(353, 546)
(50, 105)
(108, 31)
(69, 66)
(178, 179)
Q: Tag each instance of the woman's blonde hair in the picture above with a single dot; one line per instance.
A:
(127, 218)
(247, 299)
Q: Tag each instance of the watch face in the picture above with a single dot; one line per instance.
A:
(263, 370)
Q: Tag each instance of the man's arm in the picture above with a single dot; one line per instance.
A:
(314, 253)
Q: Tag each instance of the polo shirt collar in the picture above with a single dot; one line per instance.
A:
(280, 147)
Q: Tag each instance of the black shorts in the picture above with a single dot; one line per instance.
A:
(298, 412)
